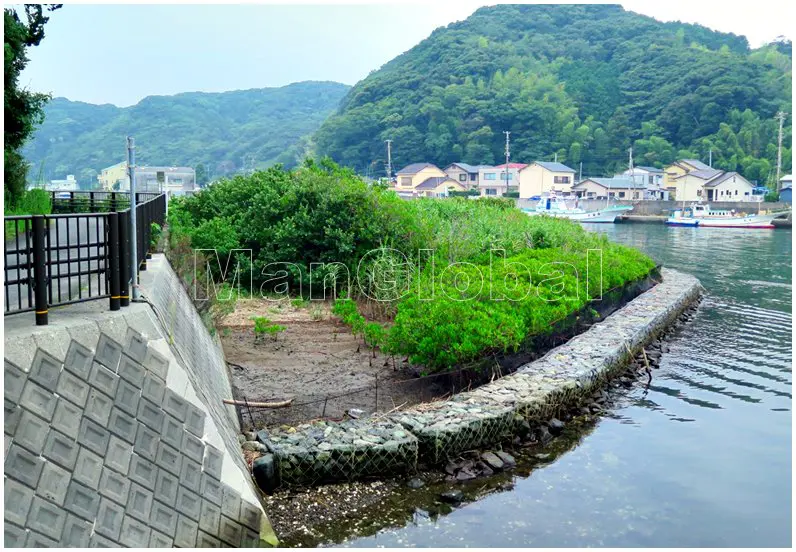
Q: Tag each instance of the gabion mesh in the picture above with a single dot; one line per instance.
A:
(447, 429)
(323, 452)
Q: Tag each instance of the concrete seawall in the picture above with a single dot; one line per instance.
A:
(115, 434)
(431, 433)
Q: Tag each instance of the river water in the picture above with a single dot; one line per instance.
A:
(702, 458)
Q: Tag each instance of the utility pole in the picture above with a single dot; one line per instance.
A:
(555, 157)
(389, 162)
(781, 117)
(710, 158)
(508, 154)
(580, 172)
(630, 165)
(135, 294)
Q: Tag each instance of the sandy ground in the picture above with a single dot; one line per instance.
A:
(314, 361)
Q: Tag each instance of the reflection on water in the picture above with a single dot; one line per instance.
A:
(703, 458)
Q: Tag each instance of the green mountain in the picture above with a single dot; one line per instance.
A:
(222, 131)
(583, 82)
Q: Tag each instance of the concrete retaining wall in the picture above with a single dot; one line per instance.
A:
(491, 413)
(115, 434)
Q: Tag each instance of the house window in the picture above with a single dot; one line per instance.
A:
(406, 181)
(561, 180)
(589, 194)
(503, 176)
(462, 177)
(491, 191)
(473, 177)
(635, 195)
(736, 192)
(746, 193)
(699, 193)
(489, 176)
(611, 194)
(621, 194)
(651, 179)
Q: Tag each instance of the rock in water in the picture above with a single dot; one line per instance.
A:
(465, 475)
(508, 459)
(265, 474)
(492, 460)
(415, 483)
(452, 497)
(556, 426)
(544, 434)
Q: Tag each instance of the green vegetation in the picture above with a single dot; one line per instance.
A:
(263, 327)
(23, 109)
(216, 133)
(32, 202)
(453, 279)
(584, 82)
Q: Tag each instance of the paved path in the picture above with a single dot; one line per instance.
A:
(72, 252)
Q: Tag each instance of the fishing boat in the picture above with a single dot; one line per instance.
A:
(701, 214)
(562, 207)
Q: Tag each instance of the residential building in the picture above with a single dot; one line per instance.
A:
(175, 180)
(424, 180)
(408, 178)
(465, 174)
(68, 185)
(114, 177)
(678, 169)
(786, 180)
(713, 185)
(618, 187)
(438, 186)
(647, 175)
(544, 177)
(493, 181)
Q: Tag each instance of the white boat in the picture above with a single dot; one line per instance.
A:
(562, 207)
(700, 214)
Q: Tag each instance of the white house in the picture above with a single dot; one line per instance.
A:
(617, 187)
(713, 185)
(492, 180)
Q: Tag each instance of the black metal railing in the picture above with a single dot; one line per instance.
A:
(95, 202)
(61, 259)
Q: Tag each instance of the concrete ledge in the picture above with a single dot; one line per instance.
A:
(493, 412)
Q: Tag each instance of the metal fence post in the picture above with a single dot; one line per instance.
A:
(124, 258)
(91, 205)
(39, 270)
(113, 202)
(113, 259)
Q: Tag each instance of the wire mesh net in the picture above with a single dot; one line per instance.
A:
(321, 452)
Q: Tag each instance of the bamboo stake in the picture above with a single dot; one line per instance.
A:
(276, 404)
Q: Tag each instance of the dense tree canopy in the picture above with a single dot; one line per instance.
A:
(583, 82)
(23, 108)
(222, 132)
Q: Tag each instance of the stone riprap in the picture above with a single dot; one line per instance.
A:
(111, 441)
(500, 409)
(327, 451)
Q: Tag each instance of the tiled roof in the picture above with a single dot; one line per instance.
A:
(512, 166)
(415, 168)
(467, 167)
(696, 163)
(720, 178)
(613, 183)
(704, 174)
(554, 166)
(650, 169)
(433, 182)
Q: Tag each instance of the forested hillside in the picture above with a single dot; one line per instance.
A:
(584, 82)
(224, 132)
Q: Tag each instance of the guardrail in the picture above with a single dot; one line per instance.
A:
(61, 259)
(95, 202)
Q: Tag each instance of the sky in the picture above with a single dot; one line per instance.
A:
(120, 54)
